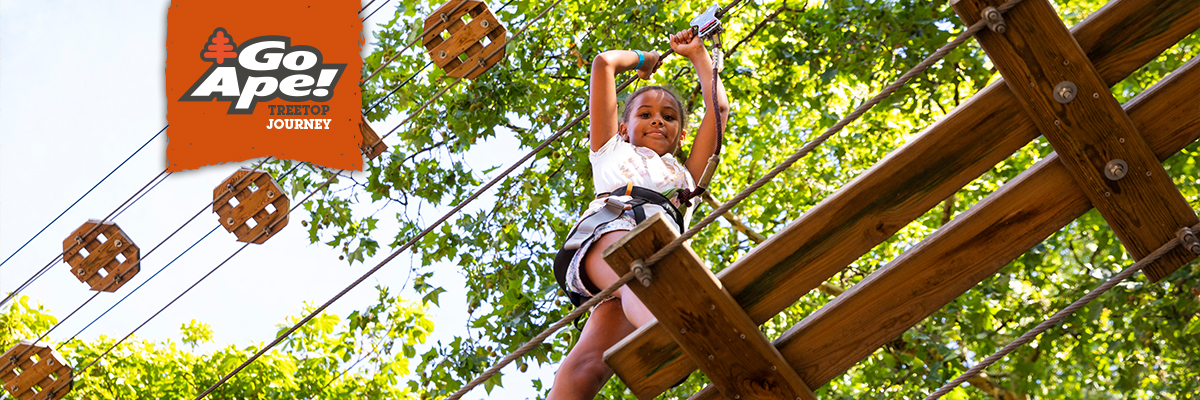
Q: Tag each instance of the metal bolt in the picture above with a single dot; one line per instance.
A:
(119, 243)
(683, 331)
(482, 63)
(1065, 91)
(1065, 62)
(1030, 84)
(442, 54)
(710, 356)
(12, 359)
(485, 23)
(79, 272)
(1107, 194)
(1116, 169)
(79, 240)
(1057, 122)
(15, 388)
(712, 306)
(228, 186)
(1121, 140)
(1147, 173)
(50, 362)
(229, 221)
(444, 17)
(737, 396)
(270, 194)
(743, 336)
(1095, 95)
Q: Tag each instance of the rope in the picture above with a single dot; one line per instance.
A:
(139, 149)
(674, 244)
(1058, 317)
(140, 260)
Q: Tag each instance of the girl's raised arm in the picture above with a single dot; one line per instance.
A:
(687, 44)
(603, 98)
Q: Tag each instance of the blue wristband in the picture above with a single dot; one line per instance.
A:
(641, 59)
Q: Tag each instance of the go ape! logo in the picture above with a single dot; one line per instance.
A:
(262, 69)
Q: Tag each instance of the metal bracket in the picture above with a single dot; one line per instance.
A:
(641, 272)
(994, 19)
(1187, 239)
(707, 23)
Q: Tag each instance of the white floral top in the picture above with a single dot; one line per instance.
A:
(617, 163)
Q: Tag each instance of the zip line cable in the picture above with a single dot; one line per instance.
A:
(408, 244)
(135, 152)
(728, 205)
(140, 260)
(202, 278)
(376, 10)
(414, 41)
(164, 178)
(364, 8)
(89, 325)
(1059, 316)
(58, 257)
(406, 81)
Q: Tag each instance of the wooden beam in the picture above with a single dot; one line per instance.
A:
(1119, 38)
(975, 245)
(704, 319)
(1071, 105)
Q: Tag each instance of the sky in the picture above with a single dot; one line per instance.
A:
(81, 88)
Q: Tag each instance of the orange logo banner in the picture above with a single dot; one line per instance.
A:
(247, 79)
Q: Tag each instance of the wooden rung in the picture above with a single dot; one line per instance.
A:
(35, 372)
(1059, 88)
(104, 259)
(704, 319)
(260, 204)
(371, 145)
(450, 37)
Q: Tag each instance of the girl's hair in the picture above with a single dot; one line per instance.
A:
(683, 117)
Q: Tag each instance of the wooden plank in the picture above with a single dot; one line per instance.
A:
(704, 319)
(1119, 38)
(434, 26)
(36, 379)
(464, 38)
(371, 145)
(1088, 129)
(975, 245)
(474, 59)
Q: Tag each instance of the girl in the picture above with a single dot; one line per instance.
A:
(632, 163)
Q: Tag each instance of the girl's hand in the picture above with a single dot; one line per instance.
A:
(649, 65)
(687, 44)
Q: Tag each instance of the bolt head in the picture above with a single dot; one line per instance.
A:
(119, 243)
(229, 221)
(710, 356)
(442, 54)
(485, 23)
(50, 362)
(683, 331)
(1095, 95)
(79, 240)
(79, 272)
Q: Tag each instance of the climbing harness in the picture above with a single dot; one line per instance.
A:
(640, 202)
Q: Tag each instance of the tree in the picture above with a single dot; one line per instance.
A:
(792, 69)
(310, 364)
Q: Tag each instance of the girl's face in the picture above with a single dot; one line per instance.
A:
(654, 123)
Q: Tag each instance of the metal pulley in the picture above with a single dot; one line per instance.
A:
(708, 26)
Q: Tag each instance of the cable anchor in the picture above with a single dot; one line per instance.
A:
(995, 20)
(1187, 239)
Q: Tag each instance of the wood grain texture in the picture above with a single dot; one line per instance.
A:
(37, 378)
(453, 38)
(704, 319)
(371, 146)
(100, 268)
(975, 245)
(1118, 38)
(252, 205)
(434, 26)
(1144, 208)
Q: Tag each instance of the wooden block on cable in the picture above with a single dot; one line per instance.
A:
(101, 255)
(460, 34)
(704, 319)
(371, 146)
(35, 371)
(1059, 88)
(251, 205)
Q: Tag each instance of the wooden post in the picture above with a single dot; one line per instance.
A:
(1061, 91)
(704, 319)
(1119, 38)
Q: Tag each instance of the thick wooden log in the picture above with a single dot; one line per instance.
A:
(1057, 86)
(975, 245)
(704, 319)
(1118, 38)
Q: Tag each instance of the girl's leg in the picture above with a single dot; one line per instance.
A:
(584, 372)
(603, 276)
